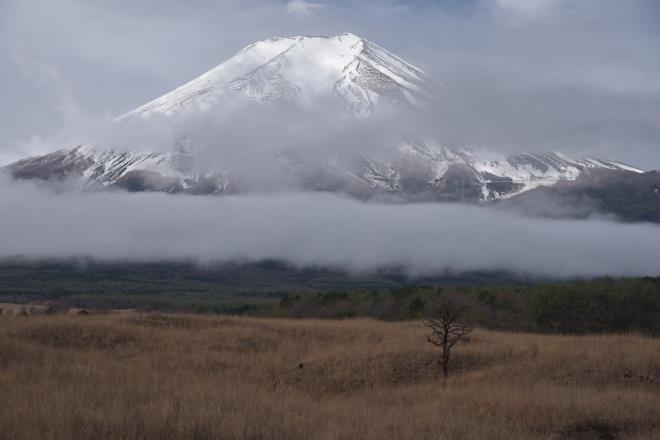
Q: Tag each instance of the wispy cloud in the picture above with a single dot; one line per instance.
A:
(58, 88)
(303, 8)
(527, 9)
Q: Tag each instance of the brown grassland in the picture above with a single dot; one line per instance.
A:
(126, 375)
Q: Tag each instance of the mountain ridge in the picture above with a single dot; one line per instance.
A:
(350, 72)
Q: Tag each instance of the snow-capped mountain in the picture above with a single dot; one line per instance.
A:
(357, 72)
(346, 71)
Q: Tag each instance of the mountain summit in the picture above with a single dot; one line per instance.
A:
(354, 75)
(355, 71)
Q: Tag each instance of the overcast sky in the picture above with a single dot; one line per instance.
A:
(580, 76)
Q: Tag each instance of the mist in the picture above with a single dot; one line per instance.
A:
(316, 229)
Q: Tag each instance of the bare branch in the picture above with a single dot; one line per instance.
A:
(428, 338)
(446, 329)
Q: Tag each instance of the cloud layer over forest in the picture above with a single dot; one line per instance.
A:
(316, 229)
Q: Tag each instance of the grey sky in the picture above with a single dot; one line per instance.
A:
(580, 76)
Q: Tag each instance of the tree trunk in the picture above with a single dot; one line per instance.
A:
(445, 352)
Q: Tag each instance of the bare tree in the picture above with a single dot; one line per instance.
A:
(447, 330)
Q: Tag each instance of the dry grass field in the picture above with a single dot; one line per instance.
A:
(125, 375)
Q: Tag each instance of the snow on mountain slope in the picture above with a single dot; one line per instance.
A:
(345, 70)
(489, 175)
(96, 168)
(423, 171)
(352, 69)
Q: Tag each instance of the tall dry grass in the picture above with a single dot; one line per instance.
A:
(131, 376)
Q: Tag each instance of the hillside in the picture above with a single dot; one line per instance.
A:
(136, 376)
(628, 197)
